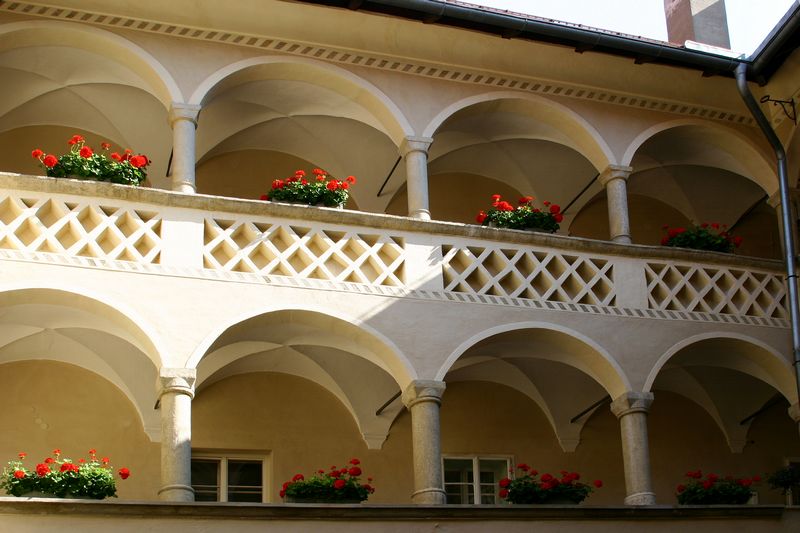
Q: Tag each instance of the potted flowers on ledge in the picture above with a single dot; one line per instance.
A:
(713, 237)
(60, 477)
(714, 490)
(83, 162)
(338, 485)
(526, 487)
(320, 190)
(524, 215)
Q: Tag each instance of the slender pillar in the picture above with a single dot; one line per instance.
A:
(183, 121)
(775, 202)
(415, 152)
(423, 398)
(631, 409)
(175, 398)
(614, 179)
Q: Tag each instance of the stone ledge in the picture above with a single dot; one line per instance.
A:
(218, 204)
(370, 512)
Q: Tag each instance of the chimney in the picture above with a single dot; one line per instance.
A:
(702, 21)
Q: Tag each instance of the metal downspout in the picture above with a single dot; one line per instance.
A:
(786, 213)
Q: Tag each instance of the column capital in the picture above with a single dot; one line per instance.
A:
(177, 381)
(614, 172)
(632, 402)
(179, 111)
(415, 144)
(794, 412)
(423, 391)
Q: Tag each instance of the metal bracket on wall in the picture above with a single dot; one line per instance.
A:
(787, 105)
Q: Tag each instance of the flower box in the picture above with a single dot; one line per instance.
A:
(524, 216)
(338, 485)
(82, 162)
(526, 488)
(58, 477)
(714, 490)
(322, 190)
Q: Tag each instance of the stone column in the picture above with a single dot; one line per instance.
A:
(775, 202)
(183, 120)
(631, 409)
(423, 398)
(415, 152)
(614, 179)
(175, 398)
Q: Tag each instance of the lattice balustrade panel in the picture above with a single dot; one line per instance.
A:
(526, 273)
(80, 227)
(709, 289)
(297, 251)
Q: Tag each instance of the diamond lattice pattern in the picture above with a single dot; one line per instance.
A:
(82, 227)
(303, 252)
(526, 273)
(715, 290)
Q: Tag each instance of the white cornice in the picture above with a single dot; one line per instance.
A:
(372, 60)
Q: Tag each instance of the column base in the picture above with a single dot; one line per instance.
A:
(184, 186)
(622, 239)
(420, 214)
(176, 493)
(641, 498)
(432, 496)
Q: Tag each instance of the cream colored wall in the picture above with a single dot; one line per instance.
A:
(684, 437)
(49, 405)
(304, 428)
(447, 201)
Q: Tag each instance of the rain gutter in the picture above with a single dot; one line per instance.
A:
(789, 229)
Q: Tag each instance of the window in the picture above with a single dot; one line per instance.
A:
(464, 477)
(228, 478)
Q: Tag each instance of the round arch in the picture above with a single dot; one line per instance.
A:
(335, 78)
(752, 159)
(42, 32)
(88, 331)
(765, 357)
(607, 370)
(589, 141)
(389, 356)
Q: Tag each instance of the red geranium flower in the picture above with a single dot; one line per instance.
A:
(42, 470)
(124, 473)
(354, 471)
(75, 140)
(105, 146)
(19, 474)
(503, 493)
(50, 161)
(339, 484)
(36, 154)
(22, 455)
(598, 483)
(85, 152)
(298, 477)
(351, 180)
(355, 461)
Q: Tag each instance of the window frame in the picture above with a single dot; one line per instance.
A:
(222, 459)
(476, 482)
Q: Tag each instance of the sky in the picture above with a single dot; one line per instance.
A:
(749, 21)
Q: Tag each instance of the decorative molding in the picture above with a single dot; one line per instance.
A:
(402, 65)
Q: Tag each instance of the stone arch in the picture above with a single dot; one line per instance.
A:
(532, 373)
(88, 331)
(751, 161)
(343, 81)
(588, 140)
(737, 360)
(337, 353)
(40, 32)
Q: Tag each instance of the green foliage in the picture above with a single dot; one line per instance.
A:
(714, 490)
(527, 488)
(321, 190)
(525, 216)
(785, 478)
(710, 237)
(83, 162)
(63, 478)
(336, 485)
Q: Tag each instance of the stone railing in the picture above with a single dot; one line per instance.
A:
(100, 225)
